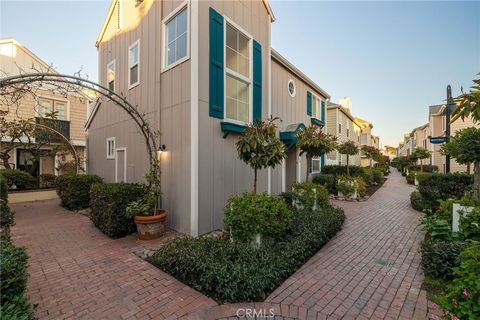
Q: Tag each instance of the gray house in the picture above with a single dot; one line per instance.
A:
(199, 71)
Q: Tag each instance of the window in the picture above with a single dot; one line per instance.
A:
(49, 106)
(291, 88)
(134, 64)
(339, 128)
(111, 75)
(348, 132)
(316, 165)
(176, 38)
(238, 79)
(316, 107)
(111, 148)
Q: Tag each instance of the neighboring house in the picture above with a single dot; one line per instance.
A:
(419, 139)
(342, 124)
(367, 139)
(437, 124)
(71, 111)
(198, 71)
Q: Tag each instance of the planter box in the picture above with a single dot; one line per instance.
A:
(416, 180)
(458, 210)
(355, 193)
(298, 205)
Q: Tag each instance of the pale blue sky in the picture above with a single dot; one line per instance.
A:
(392, 58)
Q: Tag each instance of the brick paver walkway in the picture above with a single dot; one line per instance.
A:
(78, 273)
(370, 270)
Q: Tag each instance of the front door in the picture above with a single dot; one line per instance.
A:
(121, 165)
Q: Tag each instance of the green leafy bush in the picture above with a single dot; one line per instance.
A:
(307, 194)
(338, 170)
(109, 201)
(417, 201)
(249, 214)
(327, 180)
(13, 268)
(3, 189)
(7, 218)
(47, 180)
(437, 229)
(439, 257)
(462, 296)
(21, 179)
(439, 186)
(411, 177)
(426, 168)
(234, 271)
(374, 175)
(348, 185)
(470, 225)
(74, 190)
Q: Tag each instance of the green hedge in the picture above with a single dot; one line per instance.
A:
(438, 186)
(48, 180)
(13, 268)
(338, 170)
(21, 179)
(426, 168)
(418, 203)
(327, 180)
(108, 202)
(375, 175)
(74, 190)
(439, 257)
(235, 272)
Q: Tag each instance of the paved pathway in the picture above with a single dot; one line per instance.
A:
(369, 270)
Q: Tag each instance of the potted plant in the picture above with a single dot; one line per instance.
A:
(145, 212)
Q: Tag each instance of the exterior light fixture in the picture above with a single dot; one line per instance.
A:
(161, 149)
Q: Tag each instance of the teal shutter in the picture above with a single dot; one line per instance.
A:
(323, 111)
(309, 103)
(257, 81)
(311, 165)
(322, 162)
(216, 65)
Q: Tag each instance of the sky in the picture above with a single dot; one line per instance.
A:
(393, 59)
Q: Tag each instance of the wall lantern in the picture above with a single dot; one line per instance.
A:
(160, 151)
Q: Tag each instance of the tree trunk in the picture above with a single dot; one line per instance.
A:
(348, 168)
(255, 181)
(421, 165)
(476, 179)
(468, 168)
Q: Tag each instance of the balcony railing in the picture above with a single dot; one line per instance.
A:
(62, 126)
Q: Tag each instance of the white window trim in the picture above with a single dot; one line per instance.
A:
(67, 102)
(110, 156)
(319, 164)
(114, 74)
(124, 164)
(314, 97)
(133, 85)
(249, 80)
(166, 20)
(294, 88)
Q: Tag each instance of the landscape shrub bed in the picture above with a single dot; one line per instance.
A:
(21, 179)
(327, 180)
(375, 175)
(439, 257)
(108, 202)
(48, 180)
(74, 190)
(340, 170)
(235, 271)
(426, 168)
(308, 194)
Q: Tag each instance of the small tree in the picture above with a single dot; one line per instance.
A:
(420, 154)
(349, 148)
(468, 104)
(314, 143)
(370, 152)
(260, 148)
(464, 147)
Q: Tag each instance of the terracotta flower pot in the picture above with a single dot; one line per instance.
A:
(151, 227)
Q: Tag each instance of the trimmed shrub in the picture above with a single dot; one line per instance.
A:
(338, 170)
(249, 214)
(108, 202)
(470, 225)
(21, 179)
(327, 180)
(305, 195)
(375, 175)
(411, 177)
(348, 185)
(462, 296)
(235, 272)
(3, 189)
(47, 180)
(74, 190)
(418, 203)
(13, 268)
(438, 186)
(440, 257)
(7, 217)
(426, 168)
